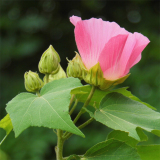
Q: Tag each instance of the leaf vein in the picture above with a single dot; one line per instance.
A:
(57, 113)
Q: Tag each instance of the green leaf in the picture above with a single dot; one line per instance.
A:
(83, 92)
(149, 152)
(121, 113)
(123, 136)
(49, 110)
(6, 124)
(111, 150)
(128, 94)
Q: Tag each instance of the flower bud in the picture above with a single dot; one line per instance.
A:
(32, 82)
(75, 67)
(49, 62)
(60, 74)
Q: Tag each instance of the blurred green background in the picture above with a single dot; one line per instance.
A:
(27, 28)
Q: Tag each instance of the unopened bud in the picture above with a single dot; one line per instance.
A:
(32, 81)
(49, 62)
(75, 67)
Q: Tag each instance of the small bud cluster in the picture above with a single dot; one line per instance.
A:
(49, 65)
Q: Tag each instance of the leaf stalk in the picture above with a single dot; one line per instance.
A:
(85, 104)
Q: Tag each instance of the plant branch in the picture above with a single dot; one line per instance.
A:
(86, 123)
(85, 104)
(3, 139)
(73, 108)
(54, 131)
(71, 101)
(59, 147)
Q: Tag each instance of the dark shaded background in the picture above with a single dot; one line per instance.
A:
(29, 27)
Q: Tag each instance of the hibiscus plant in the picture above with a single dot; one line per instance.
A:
(106, 54)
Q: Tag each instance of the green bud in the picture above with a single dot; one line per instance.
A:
(32, 81)
(49, 62)
(60, 74)
(75, 67)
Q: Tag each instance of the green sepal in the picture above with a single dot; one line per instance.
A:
(94, 76)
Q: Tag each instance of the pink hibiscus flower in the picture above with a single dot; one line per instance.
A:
(116, 49)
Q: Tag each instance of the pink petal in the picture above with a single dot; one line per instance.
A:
(91, 37)
(110, 56)
(74, 20)
(127, 51)
(141, 43)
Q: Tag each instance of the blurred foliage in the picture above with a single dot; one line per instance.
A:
(27, 28)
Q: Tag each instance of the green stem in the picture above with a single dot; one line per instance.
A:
(54, 131)
(47, 78)
(3, 139)
(61, 138)
(38, 94)
(59, 147)
(86, 123)
(85, 104)
(71, 101)
(65, 137)
(73, 108)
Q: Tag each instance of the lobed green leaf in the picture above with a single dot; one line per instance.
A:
(49, 110)
(122, 113)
